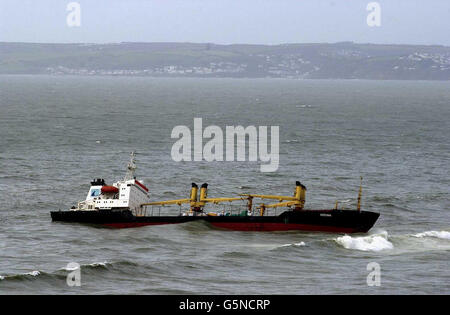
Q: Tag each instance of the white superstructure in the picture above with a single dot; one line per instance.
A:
(125, 194)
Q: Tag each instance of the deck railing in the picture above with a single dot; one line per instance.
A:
(233, 210)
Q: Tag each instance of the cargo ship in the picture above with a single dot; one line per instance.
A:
(126, 203)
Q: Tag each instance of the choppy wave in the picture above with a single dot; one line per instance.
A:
(375, 242)
(99, 264)
(382, 241)
(93, 265)
(26, 275)
(435, 234)
(294, 244)
(57, 273)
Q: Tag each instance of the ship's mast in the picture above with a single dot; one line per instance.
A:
(131, 168)
(358, 207)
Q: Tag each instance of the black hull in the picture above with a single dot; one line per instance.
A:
(338, 221)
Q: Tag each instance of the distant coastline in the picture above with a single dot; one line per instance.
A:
(345, 60)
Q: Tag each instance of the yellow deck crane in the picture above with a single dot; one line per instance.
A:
(192, 200)
(297, 201)
(204, 198)
(197, 204)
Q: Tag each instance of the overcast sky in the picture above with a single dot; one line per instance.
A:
(226, 21)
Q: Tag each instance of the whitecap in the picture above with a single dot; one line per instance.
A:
(34, 273)
(294, 244)
(375, 242)
(98, 264)
(434, 234)
(72, 267)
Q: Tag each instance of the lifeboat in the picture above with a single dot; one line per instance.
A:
(109, 190)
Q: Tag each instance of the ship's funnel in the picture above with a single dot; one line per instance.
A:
(194, 192)
(300, 194)
(204, 191)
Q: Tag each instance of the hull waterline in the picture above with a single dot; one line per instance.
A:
(336, 221)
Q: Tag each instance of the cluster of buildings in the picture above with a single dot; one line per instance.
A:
(219, 68)
(293, 65)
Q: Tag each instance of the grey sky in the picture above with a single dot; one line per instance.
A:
(226, 21)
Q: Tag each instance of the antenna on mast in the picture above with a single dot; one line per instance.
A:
(131, 168)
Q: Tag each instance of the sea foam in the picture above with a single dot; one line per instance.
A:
(93, 265)
(375, 242)
(98, 264)
(294, 244)
(435, 234)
